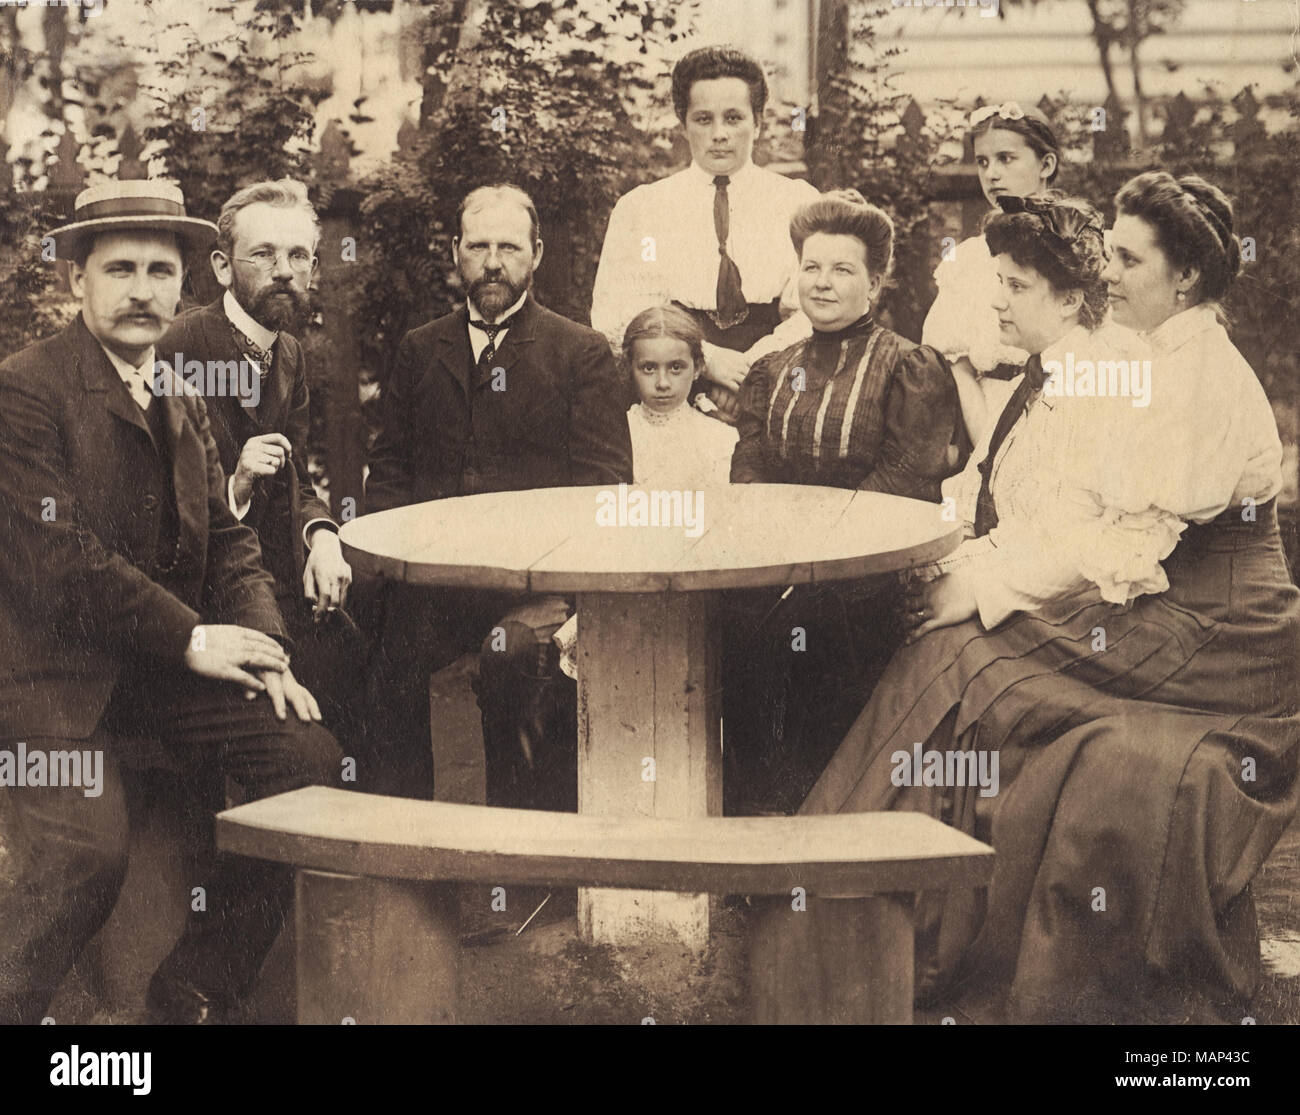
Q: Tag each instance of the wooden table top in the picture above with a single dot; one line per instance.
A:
(570, 540)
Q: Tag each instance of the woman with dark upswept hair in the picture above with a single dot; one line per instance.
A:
(1119, 632)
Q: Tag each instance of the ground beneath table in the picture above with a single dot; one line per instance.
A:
(546, 975)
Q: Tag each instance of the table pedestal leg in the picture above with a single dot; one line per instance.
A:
(648, 741)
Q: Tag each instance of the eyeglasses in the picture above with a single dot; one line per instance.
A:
(300, 261)
(1008, 110)
(1065, 220)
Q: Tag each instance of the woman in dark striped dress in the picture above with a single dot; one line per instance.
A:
(1121, 634)
(853, 406)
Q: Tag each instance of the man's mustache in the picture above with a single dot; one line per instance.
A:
(298, 298)
(485, 281)
(135, 314)
(285, 288)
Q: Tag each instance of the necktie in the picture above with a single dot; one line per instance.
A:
(485, 358)
(732, 308)
(261, 357)
(139, 381)
(986, 515)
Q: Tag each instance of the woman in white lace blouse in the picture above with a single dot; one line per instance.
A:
(1118, 640)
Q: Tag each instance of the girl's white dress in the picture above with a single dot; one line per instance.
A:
(962, 321)
(682, 450)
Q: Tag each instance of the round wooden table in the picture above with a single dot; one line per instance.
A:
(646, 567)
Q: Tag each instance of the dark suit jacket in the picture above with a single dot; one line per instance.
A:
(205, 334)
(560, 420)
(80, 497)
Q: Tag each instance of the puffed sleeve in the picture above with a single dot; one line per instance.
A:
(961, 321)
(1209, 433)
(1078, 544)
(747, 461)
(625, 282)
(1088, 522)
(921, 420)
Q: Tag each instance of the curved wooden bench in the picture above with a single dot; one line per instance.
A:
(377, 909)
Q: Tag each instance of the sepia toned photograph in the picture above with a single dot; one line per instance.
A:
(636, 512)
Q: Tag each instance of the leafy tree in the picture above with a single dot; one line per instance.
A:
(863, 142)
(565, 98)
(1126, 24)
(31, 304)
(242, 115)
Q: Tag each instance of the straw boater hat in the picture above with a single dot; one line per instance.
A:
(122, 206)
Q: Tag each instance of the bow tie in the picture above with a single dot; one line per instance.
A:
(1035, 377)
(493, 330)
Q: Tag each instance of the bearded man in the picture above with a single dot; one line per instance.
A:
(132, 603)
(502, 395)
(265, 256)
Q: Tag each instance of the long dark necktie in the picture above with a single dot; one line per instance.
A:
(986, 515)
(732, 308)
(489, 354)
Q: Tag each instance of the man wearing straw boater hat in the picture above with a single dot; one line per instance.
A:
(132, 603)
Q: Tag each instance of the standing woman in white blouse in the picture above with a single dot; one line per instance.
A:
(713, 237)
(1016, 154)
(1120, 635)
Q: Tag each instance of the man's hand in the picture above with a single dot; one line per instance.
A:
(326, 576)
(228, 652)
(285, 689)
(725, 367)
(263, 455)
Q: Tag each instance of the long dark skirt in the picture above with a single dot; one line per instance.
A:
(1147, 764)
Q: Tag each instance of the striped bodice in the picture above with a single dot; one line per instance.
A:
(825, 405)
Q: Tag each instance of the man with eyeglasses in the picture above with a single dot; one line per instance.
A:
(132, 603)
(264, 258)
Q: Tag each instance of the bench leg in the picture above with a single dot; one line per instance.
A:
(376, 950)
(842, 960)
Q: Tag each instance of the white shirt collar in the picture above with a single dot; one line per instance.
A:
(127, 370)
(1179, 327)
(1076, 341)
(255, 331)
(477, 314)
(737, 176)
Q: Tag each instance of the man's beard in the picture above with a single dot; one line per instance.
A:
(492, 297)
(271, 309)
